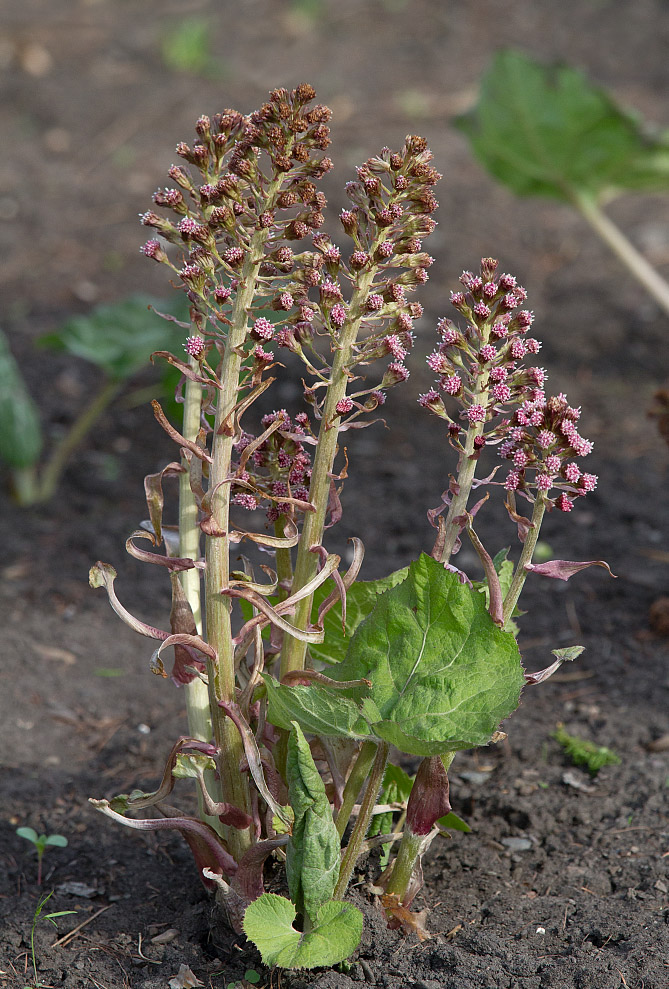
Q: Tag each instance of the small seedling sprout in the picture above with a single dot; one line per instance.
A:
(37, 916)
(41, 843)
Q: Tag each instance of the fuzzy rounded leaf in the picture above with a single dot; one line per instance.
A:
(335, 935)
(444, 676)
(360, 600)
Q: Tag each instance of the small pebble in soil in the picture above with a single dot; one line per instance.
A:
(517, 844)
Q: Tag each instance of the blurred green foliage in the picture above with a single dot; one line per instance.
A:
(547, 131)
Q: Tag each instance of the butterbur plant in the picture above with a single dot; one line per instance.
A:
(299, 677)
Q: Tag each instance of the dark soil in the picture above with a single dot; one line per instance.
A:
(562, 883)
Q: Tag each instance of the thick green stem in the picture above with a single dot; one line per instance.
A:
(294, 650)
(234, 784)
(520, 575)
(197, 697)
(354, 784)
(196, 692)
(361, 828)
(410, 849)
(635, 262)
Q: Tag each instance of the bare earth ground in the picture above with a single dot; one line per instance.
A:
(90, 119)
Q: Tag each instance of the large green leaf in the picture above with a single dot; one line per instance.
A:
(548, 131)
(20, 430)
(120, 338)
(443, 675)
(316, 709)
(360, 600)
(314, 850)
(335, 935)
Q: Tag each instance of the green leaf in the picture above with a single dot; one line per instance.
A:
(443, 675)
(360, 600)
(313, 852)
(396, 788)
(317, 710)
(395, 775)
(20, 429)
(451, 822)
(187, 764)
(335, 935)
(186, 47)
(547, 131)
(58, 840)
(120, 338)
(28, 833)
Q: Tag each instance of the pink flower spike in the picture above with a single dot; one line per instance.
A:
(452, 385)
(194, 346)
(572, 473)
(396, 372)
(343, 406)
(263, 356)
(428, 398)
(524, 319)
(152, 249)
(263, 329)
(544, 482)
(546, 439)
(501, 392)
(512, 480)
(565, 505)
(476, 413)
(553, 464)
(488, 352)
(588, 482)
(439, 364)
(338, 314)
(394, 347)
(246, 501)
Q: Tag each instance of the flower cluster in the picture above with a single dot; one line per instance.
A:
(250, 197)
(221, 201)
(502, 399)
(276, 469)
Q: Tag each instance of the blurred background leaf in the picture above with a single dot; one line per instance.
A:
(119, 338)
(20, 429)
(548, 131)
(186, 47)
